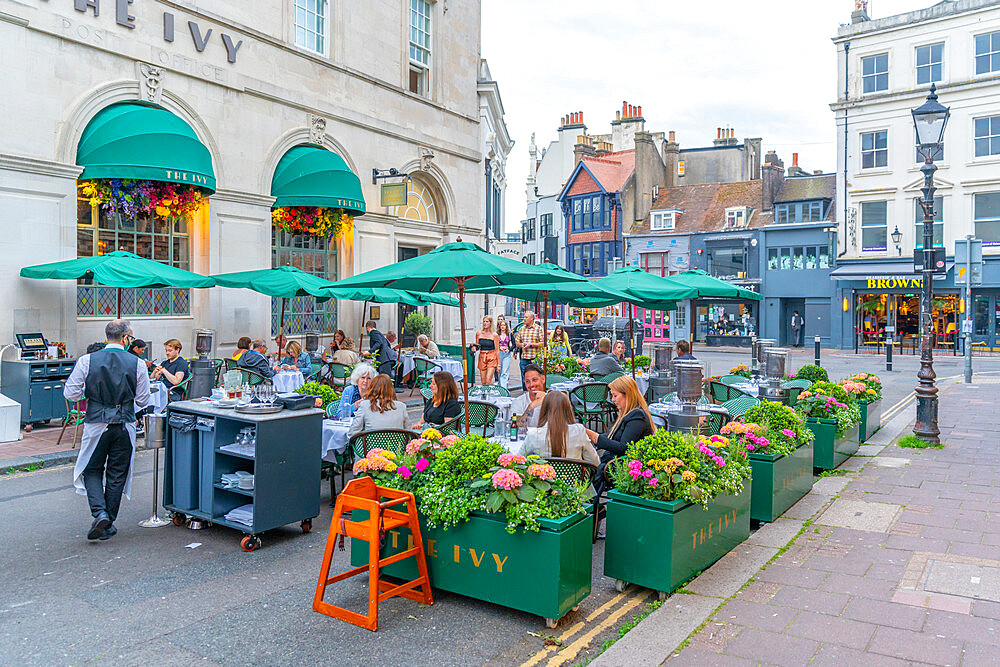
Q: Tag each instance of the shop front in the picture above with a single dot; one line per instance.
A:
(725, 322)
(885, 303)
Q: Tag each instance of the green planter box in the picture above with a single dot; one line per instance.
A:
(829, 450)
(871, 418)
(660, 545)
(545, 573)
(778, 482)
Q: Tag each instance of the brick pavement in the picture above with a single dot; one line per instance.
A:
(923, 586)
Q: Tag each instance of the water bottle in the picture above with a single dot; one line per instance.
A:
(513, 427)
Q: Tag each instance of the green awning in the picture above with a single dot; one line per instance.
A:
(145, 142)
(310, 175)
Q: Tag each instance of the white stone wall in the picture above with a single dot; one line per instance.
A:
(60, 67)
(960, 174)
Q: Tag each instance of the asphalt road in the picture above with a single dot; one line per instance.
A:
(145, 598)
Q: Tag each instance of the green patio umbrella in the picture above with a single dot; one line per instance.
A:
(388, 295)
(283, 282)
(457, 267)
(572, 292)
(647, 290)
(118, 269)
(707, 286)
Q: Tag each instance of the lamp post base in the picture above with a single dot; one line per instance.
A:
(926, 425)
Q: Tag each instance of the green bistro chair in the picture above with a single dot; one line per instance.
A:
(718, 417)
(426, 393)
(795, 387)
(331, 409)
(181, 389)
(219, 366)
(391, 439)
(732, 379)
(552, 379)
(575, 471)
(490, 390)
(455, 425)
(720, 393)
(737, 407)
(481, 418)
(250, 377)
(591, 405)
(75, 412)
(231, 364)
(659, 421)
(337, 375)
(423, 370)
(606, 379)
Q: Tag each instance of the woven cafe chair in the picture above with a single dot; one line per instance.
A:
(575, 471)
(552, 379)
(737, 407)
(220, 367)
(455, 425)
(75, 412)
(423, 370)
(718, 417)
(720, 393)
(426, 393)
(331, 409)
(795, 387)
(732, 379)
(250, 377)
(490, 390)
(482, 416)
(231, 364)
(391, 439)
(591, 405)
(335, 375)
(659, 421)
(606, 379)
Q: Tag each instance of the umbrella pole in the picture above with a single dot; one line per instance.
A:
(545, 330)
(364, 312)
(465, 352)
(119, 311)
(631, 334)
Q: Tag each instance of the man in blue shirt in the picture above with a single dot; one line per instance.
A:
(254, 359)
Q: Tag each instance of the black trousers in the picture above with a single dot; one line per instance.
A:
(386, 367)
(106, 473)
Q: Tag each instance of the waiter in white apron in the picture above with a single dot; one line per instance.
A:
(115, 383)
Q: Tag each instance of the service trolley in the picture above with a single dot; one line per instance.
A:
(285, 464)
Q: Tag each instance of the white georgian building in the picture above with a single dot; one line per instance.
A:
(383, 83)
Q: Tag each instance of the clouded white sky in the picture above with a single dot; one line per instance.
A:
(766, 68)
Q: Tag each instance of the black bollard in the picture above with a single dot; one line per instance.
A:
(888, 352)
(816, 349)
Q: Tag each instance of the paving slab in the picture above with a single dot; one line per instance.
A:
(808, 507)
(652, 641)
(832, 485)
(777, 533)
(869, 450)
(732, 571)
(860, 515)
(890, 461)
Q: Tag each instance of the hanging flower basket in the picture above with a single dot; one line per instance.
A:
(311, 220)
(131, 197)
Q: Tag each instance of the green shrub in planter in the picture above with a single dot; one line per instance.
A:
(813, 373)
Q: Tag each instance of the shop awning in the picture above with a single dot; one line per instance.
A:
(144, 141)
(310, 175)
(882, 271)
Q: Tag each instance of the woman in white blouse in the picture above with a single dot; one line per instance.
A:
(558, 434)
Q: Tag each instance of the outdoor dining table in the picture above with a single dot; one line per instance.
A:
(503, 403)
(642, 381)
(453, 366)
(286, 381)
(158, 395)
(335, 438)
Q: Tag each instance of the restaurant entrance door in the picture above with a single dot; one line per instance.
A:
(406, 339)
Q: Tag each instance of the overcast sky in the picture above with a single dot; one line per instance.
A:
(765, 68)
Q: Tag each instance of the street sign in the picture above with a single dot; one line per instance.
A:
(969, 262)
(938, 263)
(394, 194)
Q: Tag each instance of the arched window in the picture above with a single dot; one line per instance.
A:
(419, 203)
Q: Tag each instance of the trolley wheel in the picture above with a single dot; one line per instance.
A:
(620, 585)
(577, 607)
(178, 519)
(662, 595)
(551, 623)
(250, 543)
(27, 428)
(307, 525)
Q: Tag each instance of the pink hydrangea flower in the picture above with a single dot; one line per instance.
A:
(404, 472)
(413, 446)
(449, 440)
(507, 479)
(422, 464)
(542, 471)
(507, 459)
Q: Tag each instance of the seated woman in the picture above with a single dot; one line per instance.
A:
(296, 358)
(379, 409)
(242, 345)
(559, 342)
(345, 354)
(443, 403)
(558, 434)
(360, 382)
(634, 421)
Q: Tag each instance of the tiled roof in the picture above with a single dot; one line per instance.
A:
(704, 206)
(612, 169)
(801, 188)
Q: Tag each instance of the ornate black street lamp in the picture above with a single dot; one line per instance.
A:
(929, 119)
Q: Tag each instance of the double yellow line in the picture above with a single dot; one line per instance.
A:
(570, 651)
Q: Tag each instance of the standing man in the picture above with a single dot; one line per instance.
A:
(529, 340)
(797, 324)
(114, 383)
(381, 349)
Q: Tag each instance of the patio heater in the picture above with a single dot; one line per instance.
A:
(202, 368)
(775, 360)
(757, 347)
(661, 379)
(690, 419)
(312, 346)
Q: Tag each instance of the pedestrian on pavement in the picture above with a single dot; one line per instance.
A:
(506, 349)
(380, 348)
(797, 324)
(114, 383)
(529, 340)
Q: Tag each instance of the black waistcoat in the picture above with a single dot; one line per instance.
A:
(110, 387)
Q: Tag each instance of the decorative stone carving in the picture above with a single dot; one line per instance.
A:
(317, 128)
(150, 81)
(852, 225)
(426, 155)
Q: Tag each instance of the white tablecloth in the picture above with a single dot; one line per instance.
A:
(287, 381)
(641, 381)
(334, 438)
(453, 366)
(751, 388)
(503, 403)
(158, 397)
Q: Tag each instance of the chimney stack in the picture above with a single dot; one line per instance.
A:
(795, 159)
(638, 112)
(795, 169)
(584, 148)
(671, 137)
(772, 180)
